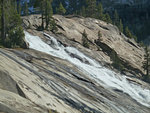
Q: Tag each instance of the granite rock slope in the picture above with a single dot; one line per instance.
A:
(36, 82)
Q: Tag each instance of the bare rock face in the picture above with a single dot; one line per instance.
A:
(52, 84)
(70, 29)
(127, 49)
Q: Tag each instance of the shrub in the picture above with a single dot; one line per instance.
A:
(85, 42)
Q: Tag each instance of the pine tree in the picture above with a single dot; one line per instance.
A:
(116, 18)
(100, 12)
(26, 12)
(146, 63)
(12, 23)
(3, 29)
(91, 8)
(99, 35)
(85, 42)
(127, 32)
(19, 8)
(116, 61)
(61, 10)
(48, 12)
(53, 25)
(121, 26)
(42, 13)
(107, 18)
(83, 12)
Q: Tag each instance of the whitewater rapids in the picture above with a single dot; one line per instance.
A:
(104, 76)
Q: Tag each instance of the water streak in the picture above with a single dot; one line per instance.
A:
(105, 76)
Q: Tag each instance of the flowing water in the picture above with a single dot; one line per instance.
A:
(104, 76)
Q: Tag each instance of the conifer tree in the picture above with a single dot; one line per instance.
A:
(61, 10)
(83, 11)
(121, 26)
(48, 12)
(42, 13)
(19, 8)
(116, 61)
(91, 8)
(3, 29)
(26, 12)
(85, 42)
(12, 26)
(127, 32)
(100, 11)
(107, 18)
(116, 18)
(146, 63)
(53, 25)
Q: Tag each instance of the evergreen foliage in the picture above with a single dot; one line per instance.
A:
(85, 42)
(91, 8)
(120, 26)
(127, 32)
(94, 9)
(46, 12)
(116, 61)
(12, 34)
(146, 63)
(83, 11)
(107, 18)
(61, 10)
(116, 18)
(100, 11)
(53, 25)
(18, 8)
(26, 12)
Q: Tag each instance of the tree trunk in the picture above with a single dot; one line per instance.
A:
(42, 9)
(42, 21)
(3, 21)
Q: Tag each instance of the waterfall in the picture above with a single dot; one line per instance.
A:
(91, 67)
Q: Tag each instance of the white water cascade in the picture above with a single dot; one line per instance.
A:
(104, 76)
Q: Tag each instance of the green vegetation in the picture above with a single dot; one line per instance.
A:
(53, 25)
(146, 64)
(95, 9)
(120, 26)
(99, 35)
(100, 12)
(85, 42)
(18, 8)
(129, 34)
(25, 9)
(61, 10)
(12, 34)
(116, 61)
(91, 8)
(46, 9)
(107, 18)
(116, 18)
